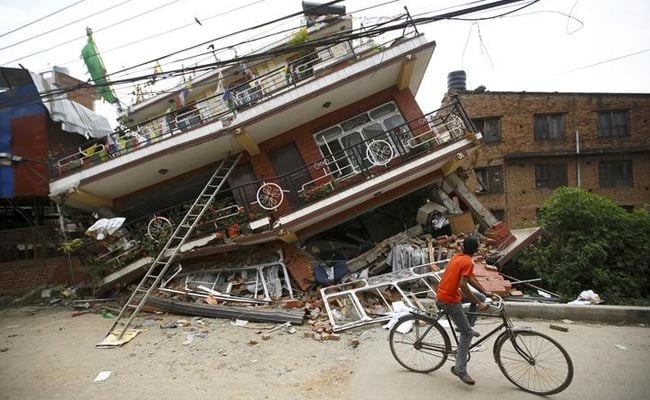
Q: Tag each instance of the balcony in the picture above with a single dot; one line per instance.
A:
(373, 170)
(218, 111)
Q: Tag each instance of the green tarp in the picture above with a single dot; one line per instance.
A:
(97, 70)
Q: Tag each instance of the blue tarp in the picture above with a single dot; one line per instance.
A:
(18, 98)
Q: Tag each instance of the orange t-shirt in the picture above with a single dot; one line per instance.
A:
(460, 265)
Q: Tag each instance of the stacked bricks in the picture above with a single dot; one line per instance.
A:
(499, 236)
(490, 278)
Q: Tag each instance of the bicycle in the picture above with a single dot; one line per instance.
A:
(531, 360)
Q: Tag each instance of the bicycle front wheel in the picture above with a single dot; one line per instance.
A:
(423, 347)
(534, 362)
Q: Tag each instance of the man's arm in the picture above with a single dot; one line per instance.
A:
(464, 287)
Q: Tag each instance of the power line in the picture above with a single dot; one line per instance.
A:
(172, 30)
(607, 61)
(42, 18)
(499, 15)
(63, 26)
(96, 31)
(329, 40)
(249, 40)
(222, 37)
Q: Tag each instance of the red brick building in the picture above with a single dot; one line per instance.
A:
(536, 142)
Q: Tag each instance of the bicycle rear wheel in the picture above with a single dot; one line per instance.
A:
(538, 364)
(423, 348)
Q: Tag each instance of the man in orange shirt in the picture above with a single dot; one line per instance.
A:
(458, 276)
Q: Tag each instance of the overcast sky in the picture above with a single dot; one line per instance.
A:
(553, 45)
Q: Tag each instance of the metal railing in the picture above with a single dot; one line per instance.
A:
(219, 109)
(328, 175)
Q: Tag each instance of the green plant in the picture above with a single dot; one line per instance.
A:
(316, 193)
(588, 242)
(71, 246)
(300, 36)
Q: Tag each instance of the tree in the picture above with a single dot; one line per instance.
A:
(588, 242)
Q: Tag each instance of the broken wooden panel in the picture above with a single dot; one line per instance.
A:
(253, 314)
(299, 266)
(367, 301)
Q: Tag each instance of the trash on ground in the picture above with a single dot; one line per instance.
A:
(102, 376)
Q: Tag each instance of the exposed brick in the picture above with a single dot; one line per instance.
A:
(521, 198)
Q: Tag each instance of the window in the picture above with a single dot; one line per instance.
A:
(613, 174)
(549, 127)
(341, 144)
(489, 179)
(550, 175)
(613, 123)
(490, 128)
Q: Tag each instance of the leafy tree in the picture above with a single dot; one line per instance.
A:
(588, 242)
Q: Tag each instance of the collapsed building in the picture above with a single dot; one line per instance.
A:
(232, 190)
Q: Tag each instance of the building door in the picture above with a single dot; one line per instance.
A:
(290, 169)
(241, 180)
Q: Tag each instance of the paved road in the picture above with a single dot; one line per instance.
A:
(603, 370)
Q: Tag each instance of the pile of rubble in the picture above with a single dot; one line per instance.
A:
(278, 284)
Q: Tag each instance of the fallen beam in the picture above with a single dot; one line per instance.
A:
(211, 311)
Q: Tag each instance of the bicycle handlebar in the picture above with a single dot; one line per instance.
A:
(499, 304)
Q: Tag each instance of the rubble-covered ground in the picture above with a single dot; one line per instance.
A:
(47, 353)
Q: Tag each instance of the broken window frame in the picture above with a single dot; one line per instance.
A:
(490, 127)
(487, 181)
(399, 281)
(209, 289)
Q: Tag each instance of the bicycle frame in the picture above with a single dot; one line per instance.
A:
(505, 324)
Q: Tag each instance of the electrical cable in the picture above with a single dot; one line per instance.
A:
(499, 15)
(607, 61)
(223, 37)
(171, 30)
(41, 18)
(96, 31)
(65, 25)
(309, 44)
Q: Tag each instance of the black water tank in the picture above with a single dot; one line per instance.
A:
(316, 9)
(456, 80)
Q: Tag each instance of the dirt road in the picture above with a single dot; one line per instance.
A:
(48, 354)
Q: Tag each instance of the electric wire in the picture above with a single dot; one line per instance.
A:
(139, 41)
(312, 43)
(41, 18)
(64, 26)
(221, 37)
(95, 31)
(252, 39)
(608, 61)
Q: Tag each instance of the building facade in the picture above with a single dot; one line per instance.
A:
(536, 142)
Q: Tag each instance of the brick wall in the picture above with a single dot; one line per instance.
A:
(85, 96)
(18, 277)
(518, 152)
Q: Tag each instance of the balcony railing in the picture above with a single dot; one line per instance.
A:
(280, 195)
(331, 174)
(219, 109)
